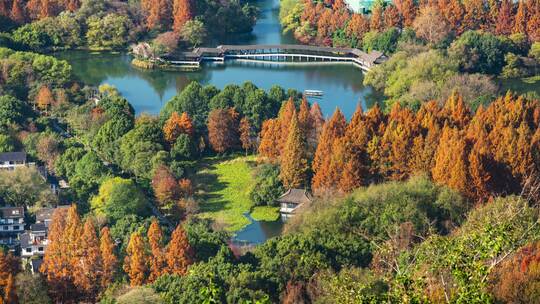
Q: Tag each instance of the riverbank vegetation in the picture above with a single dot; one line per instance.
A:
(106, 25)
(435, 48)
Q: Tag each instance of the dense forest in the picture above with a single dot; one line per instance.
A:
(429, 196)
(436, 47)
(111, 25)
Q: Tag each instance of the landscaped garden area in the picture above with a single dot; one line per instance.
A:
(222, 186)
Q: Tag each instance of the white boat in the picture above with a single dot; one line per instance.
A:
(313, 93)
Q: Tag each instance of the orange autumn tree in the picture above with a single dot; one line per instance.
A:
(179, 253)
(505, 18)
(533, 22)
(4, 10)
(286, 113)
(44, 98)
(521, 18)
(246, 134)
(182, 13)
(294, 159)
(88, 267)
(61, 254)
(451, 161)
(159, 14)
(408, 11)
(352, 152)
(176, 125)
(9, 267)
(10, 295)
(316, 121)
(135, 263)
(392, 17)
(18, 14)
(270, 136)
(157, 259)
(108, 258)
(324, 176)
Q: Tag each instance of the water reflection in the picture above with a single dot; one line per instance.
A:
(257, 232)
(149, 90)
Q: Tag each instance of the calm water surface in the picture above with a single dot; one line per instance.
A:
(149, 90)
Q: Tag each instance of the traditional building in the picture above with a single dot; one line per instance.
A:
(291, 201)
(11, 226)
(12, 160)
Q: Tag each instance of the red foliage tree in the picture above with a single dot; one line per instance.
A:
(223, 130)
(165, 186)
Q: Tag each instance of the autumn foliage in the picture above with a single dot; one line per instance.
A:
(78, 264)
(482, 154)
(223, 130)
(176, 125)
(9, 267)
(148, 258)
(431, 19)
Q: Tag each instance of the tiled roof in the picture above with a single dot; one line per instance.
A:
(38, 227)
(11, 212)
(298, 196)
(12, 156)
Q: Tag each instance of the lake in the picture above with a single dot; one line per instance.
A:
(149, 90)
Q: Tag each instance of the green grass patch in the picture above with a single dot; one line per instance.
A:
(222, 189)
(265, 213)
(532, 79)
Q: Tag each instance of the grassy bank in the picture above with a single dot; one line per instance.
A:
(222, 188)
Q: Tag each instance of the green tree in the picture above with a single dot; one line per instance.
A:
(108, 32)
(479, 52)
(194, 32)
(119, 197)
(267, 187)
(12, 111)
(31, 289)
(25, 187)
(7, 144)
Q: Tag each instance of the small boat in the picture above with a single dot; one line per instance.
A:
(313, 93)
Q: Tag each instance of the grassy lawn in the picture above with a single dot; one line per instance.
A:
(222, 188)
(265, 213)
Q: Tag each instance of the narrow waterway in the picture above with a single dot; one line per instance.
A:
(149, 90)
